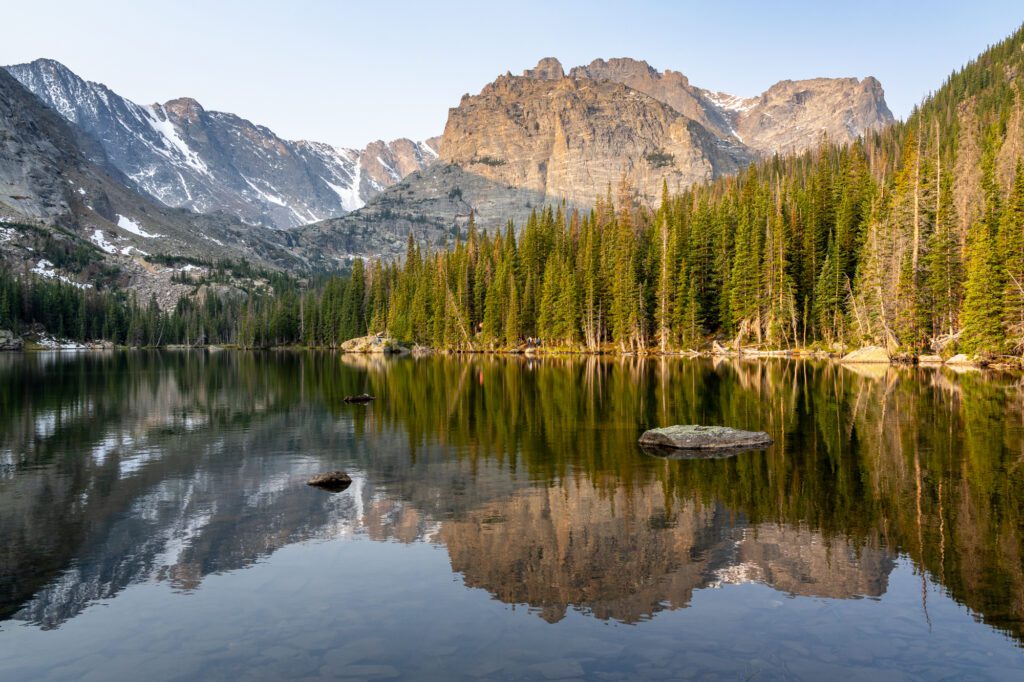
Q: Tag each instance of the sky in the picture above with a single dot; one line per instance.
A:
(347, 73)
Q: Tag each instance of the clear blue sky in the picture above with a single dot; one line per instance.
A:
(350, 72)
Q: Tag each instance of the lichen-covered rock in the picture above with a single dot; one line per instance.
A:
(697, 437)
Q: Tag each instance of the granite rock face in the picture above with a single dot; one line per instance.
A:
(570, 136)
(791, 116)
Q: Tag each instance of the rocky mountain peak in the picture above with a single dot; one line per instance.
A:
(615, 69)
(547, 69)
(184, 108)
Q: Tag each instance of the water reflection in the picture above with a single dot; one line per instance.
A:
(131, 467)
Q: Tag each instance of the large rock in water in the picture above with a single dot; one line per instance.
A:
(868, 354)
(8, 341)
(695, 437)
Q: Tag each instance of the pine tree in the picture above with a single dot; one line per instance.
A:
(982, 313)
(1011, 248)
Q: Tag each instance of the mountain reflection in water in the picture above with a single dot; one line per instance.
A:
(124, 468)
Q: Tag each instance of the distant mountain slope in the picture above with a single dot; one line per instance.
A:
(55, 180)
(185, 156)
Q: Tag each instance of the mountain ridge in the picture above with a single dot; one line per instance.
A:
(186, 156)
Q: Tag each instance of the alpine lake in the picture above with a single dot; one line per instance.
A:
(502, 521)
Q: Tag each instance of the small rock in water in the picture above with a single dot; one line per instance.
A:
(361, 398)
(697, 441)
(335, 481)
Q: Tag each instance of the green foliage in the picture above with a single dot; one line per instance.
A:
(660, 159)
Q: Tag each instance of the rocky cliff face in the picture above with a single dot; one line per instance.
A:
(791, 116)
(186, 156)
(569, 136)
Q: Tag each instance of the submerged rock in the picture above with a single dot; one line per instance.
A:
(361, 398)
(668, 452)
(335, 481)
(868, 354)
(703, 439)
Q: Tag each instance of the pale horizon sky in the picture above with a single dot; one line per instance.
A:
(348, 73)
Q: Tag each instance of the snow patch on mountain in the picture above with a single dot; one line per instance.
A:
(100, 240)
(159, 121)
(46, 269)
(130, 225)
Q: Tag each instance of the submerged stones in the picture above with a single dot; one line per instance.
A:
(333, 481)
(702, 442)
(361, 398)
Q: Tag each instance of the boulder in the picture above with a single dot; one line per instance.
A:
(867, 354)
(930, 359)
(375, 343)
(705, 438)
(335, 481)
(8, 341)
(960, 359)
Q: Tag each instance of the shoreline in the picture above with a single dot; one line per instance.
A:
(1002, 363)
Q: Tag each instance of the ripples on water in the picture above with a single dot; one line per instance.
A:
(502, 522)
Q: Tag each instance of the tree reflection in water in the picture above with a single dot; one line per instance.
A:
(124, 467)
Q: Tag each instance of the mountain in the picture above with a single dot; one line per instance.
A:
(185, 156)
(570, 136)
(547, 136)
(789, 117)
(69, 214)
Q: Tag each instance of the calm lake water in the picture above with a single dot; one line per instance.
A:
(502, 522)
